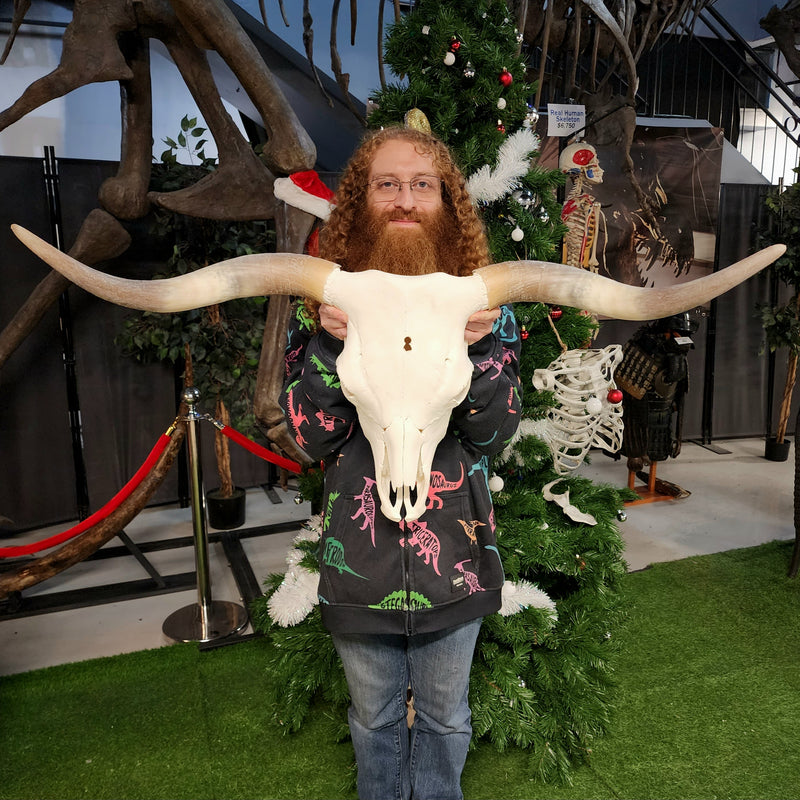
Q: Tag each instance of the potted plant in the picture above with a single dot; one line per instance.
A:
(781, 321)
(217, 346)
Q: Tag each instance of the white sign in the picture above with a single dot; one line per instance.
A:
(564, 120)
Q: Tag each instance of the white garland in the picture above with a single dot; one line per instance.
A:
(513, 162)
(522, 594)
(297, 595)
(295, 598)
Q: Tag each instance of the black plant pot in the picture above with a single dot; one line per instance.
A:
(225, 513)
(773, 451)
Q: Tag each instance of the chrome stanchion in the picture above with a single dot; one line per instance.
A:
(206, 619)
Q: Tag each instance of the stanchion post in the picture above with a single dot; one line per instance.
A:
(190, 396)
(207, 619)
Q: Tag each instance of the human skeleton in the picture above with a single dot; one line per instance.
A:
(581, 212)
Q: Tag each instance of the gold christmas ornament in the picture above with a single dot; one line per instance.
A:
(416, 119)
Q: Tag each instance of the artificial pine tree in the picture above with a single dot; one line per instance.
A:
(543, 667)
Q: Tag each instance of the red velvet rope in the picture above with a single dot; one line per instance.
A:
(124, 493)
(115, 502)
(260, 451)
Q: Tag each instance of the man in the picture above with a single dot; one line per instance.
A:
(404, 601)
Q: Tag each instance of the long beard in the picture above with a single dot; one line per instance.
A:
(416, 250)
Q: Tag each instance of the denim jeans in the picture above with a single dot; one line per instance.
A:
(425, 762)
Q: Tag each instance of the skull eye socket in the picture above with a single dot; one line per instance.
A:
(407, 343)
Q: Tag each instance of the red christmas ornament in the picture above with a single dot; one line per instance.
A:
(555, 312)
(524, 334)
(501, 127)
(505, 77)
(455, 44)
(615, 396)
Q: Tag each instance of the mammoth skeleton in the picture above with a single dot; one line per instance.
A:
(404, 364)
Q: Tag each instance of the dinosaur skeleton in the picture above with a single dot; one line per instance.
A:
(404, 364)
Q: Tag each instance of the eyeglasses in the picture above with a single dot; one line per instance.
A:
(423, 187)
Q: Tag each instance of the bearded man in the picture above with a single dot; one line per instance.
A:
(404, 600)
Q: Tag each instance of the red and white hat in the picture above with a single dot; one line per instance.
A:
(305, 190)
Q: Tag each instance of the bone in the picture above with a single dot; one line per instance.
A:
(506, 282)
(544, 282)
(404, 426)
(245, 276)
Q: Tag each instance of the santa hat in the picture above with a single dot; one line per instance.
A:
(304, 190)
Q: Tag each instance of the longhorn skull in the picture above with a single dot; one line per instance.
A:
(404, 364)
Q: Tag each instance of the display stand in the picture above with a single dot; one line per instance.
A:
(206, 619)
(654, 489)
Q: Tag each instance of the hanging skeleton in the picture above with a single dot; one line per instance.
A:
(581, 212)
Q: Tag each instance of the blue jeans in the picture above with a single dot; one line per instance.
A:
(425, 762)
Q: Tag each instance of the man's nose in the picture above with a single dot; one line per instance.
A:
(405, 198)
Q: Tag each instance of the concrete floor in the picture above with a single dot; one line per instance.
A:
(736, 499)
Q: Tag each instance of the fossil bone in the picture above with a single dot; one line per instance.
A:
(403, 395)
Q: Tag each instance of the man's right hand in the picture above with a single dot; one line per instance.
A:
(334, 321)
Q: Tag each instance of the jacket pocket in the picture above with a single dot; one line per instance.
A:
(360, 555)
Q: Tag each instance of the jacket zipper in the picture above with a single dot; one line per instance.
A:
(406, 579)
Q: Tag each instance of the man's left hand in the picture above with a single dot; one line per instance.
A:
(480, 324)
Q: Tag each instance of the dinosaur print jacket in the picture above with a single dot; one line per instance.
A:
(380, 576)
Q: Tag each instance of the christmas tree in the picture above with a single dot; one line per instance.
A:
(543, 667)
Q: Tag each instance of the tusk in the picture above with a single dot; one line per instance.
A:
(245, 276)
(559, 284)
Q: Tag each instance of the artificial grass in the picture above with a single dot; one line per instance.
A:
(708, 703)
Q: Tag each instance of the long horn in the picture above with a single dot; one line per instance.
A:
(529, 281)
(245, 276)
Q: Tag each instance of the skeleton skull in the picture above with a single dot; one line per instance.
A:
(581, 159)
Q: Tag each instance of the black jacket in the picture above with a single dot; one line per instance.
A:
(380, 576)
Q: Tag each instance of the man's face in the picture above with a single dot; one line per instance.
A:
(399, 160)
(406, 228)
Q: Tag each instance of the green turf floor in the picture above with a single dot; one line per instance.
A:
(708, 707)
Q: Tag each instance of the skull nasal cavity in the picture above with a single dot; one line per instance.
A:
(407, 345)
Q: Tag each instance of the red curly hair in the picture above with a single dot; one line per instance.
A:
(469, 237)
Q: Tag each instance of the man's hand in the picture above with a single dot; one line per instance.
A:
(480, 324)
(333, 320)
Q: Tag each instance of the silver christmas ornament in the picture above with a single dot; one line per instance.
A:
(469, 70)
(531, 118)
(525, 197)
